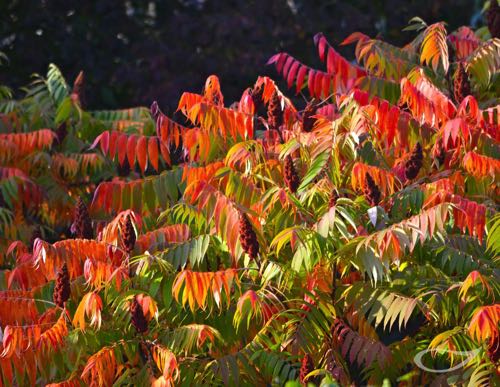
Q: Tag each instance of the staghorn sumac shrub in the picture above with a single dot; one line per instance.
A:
(245, 247)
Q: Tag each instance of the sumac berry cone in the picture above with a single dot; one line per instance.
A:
(257, 93)
(82, 224)
(372, 193)
(494, 349)
(333, 199)
(306, 368)
(128, 235)
(414, 163)
(290, 174)
(248, 238)
(493, 19)
(138, 319)
(461, 83)
(274, 112)
(307, 117)
(62, 289)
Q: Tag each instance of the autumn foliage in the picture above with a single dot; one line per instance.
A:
(262, 241)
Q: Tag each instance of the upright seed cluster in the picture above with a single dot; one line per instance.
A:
(274, 112)
(333, 199)
(414, 163)
(248, 238)
(62, 290)
(372, 193)
(138, 319)
(82, 224)
(493, 19)
(257, 93)
(128, 235)
(306, 367)
(307, 117)
(494, 350)
(290, 174)
(461, 83)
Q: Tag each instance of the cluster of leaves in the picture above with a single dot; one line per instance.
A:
(335, 243)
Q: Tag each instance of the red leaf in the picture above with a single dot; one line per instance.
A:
(292, 73)
(112, 144)
(300, 77)
(153, 152)
(142, 153)
(122, 148)
(310, 81)
(131, 150)
(287, 66)
(281, 61)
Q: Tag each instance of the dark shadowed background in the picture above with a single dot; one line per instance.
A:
(134, 52)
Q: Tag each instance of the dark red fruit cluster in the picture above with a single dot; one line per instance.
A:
(290, 174)
(461, 83)
(138, 319)
(308, 119)
(493, 19)
(494, 349)
(62, 290)
(306, 367)
(372, 193)
(248, 238)
(414, 163)
(333, 199)
(274, 113)
(82, 224)
(256, 94)
(128, 235)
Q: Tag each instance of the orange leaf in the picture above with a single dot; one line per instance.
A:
(90, 306)
(384, 179)
(470, 281)
(198, 285)
(167, 364)
(481, 166)
(434, 49)
(101, 368)
(485, 322)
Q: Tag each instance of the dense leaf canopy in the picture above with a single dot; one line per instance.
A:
(255, 243)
